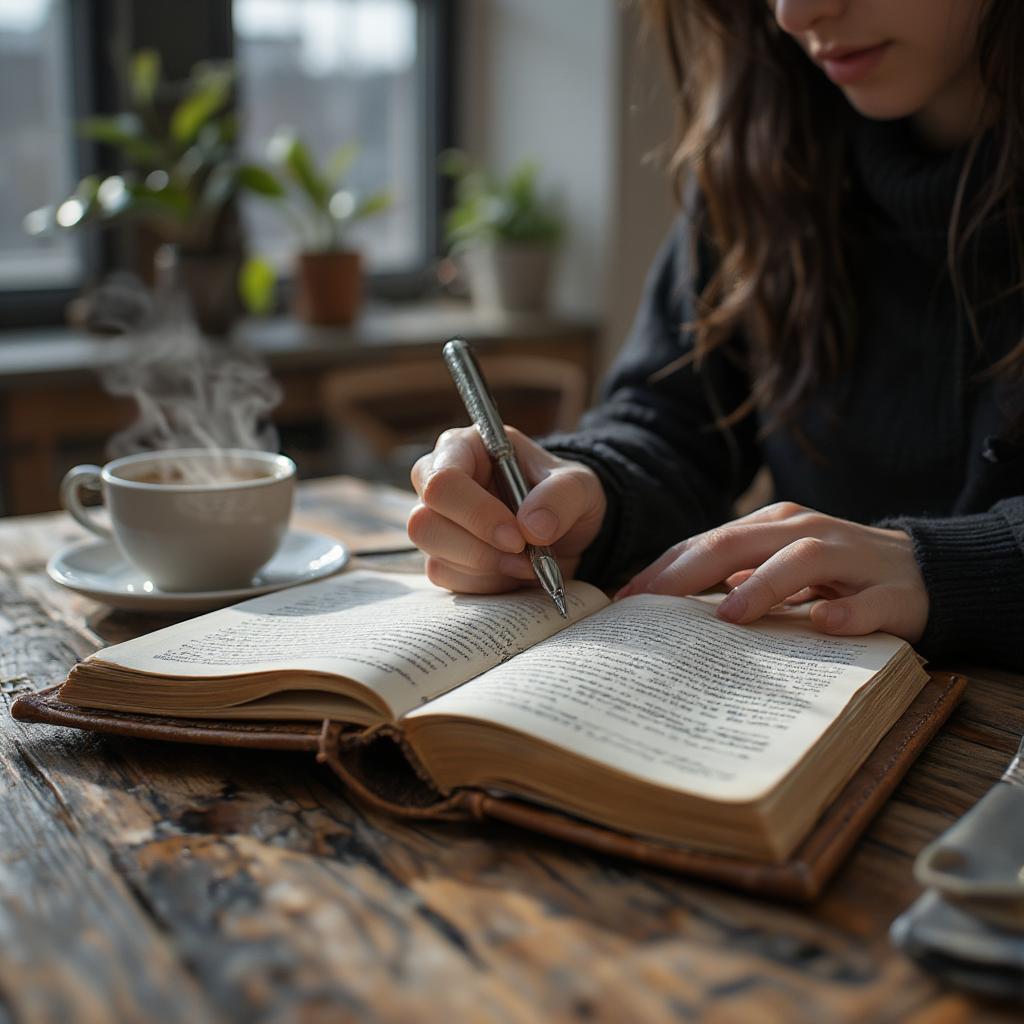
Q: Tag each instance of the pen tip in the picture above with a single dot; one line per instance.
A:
(559, 599)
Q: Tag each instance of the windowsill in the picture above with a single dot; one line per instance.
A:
(61, 355)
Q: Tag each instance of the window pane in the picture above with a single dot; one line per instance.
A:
(36, 156)
(337, 71)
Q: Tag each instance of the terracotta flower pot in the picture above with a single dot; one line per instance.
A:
(328, 287)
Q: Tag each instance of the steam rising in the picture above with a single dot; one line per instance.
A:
(191, 393)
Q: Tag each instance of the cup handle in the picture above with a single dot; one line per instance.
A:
(74, 480)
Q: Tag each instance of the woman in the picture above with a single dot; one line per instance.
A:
(840, 301)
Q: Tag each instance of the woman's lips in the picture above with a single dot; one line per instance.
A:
(846, 67)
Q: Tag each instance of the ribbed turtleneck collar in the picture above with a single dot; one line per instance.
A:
(914, 189)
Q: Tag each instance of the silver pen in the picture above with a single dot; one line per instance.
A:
(480, 405)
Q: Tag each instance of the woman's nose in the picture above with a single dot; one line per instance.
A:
(797, 16)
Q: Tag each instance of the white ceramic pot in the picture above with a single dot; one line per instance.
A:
(509, 278)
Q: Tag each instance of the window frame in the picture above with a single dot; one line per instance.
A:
(128, 25)
(20, 307)
(436, 40)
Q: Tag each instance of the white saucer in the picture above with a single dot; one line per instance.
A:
(97, 569)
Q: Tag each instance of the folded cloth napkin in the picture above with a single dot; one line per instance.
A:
(961, 948)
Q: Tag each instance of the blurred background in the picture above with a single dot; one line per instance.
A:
(328, 189)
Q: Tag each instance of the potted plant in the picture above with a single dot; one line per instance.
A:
(179, 180)
(503, 233)
(328, 271)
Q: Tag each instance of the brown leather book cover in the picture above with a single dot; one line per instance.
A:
(376, 769)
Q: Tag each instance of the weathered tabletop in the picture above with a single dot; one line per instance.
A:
(144, 881)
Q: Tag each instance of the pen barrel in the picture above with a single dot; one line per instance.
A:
(513, 481)
(480, 405)
(472, 388)
(515, 490)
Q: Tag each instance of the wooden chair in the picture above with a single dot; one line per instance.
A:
(385, 418)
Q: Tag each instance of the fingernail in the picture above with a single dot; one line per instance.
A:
(508, 538)
(543, 523)
(733, 608)
(836, 616)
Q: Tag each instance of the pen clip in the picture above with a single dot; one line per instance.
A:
(476, 396)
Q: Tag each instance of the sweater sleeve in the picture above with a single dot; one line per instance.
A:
(668, 469)
(973, 567)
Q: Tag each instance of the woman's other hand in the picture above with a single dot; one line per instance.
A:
(473, 541)
(863, 577)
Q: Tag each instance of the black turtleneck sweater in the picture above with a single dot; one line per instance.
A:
(912, 436)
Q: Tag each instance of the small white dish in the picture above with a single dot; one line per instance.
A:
(97, 569)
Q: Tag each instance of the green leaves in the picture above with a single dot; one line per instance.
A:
(372, 204)
(117, 130)
(220, 185)
(520, 186)
(208, 96)
(330, 208)
(486, 207)
(123, 131)
(259, 180)
(453, 163)
(144, 77)
(256, 282)
(181, 169)
(291, 153)
(340, 162)
(169, 201)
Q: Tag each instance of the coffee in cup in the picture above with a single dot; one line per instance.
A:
(190, 519)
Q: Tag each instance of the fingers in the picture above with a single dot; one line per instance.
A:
(449, 542)
(802, 596)
(807, 562)
(453, 495)
(776, 512)
(707, 559)
(884, 606)
(459, 448)
(641, 582)
(473, 541)
(568, 495)
(451, 481)
(566, 501)
(737, 578)
(457, 578)
(868, 577)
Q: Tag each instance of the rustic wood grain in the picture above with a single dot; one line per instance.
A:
(144, 881)
(76, 943)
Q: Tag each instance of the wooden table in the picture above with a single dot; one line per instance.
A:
(150, 882)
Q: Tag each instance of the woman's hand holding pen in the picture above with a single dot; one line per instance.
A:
(474, 543)
(863, 577)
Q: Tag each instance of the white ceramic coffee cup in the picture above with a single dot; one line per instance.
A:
(190, 519)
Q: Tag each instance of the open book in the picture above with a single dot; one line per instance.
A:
(648, 715)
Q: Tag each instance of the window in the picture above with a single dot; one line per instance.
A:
(37, 158)
(336, 71)
(374, 71)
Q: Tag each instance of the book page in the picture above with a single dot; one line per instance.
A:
(397, 634)
(661, 689)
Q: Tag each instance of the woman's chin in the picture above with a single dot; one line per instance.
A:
(878, 107)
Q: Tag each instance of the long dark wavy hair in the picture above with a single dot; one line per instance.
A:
(758, 136)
